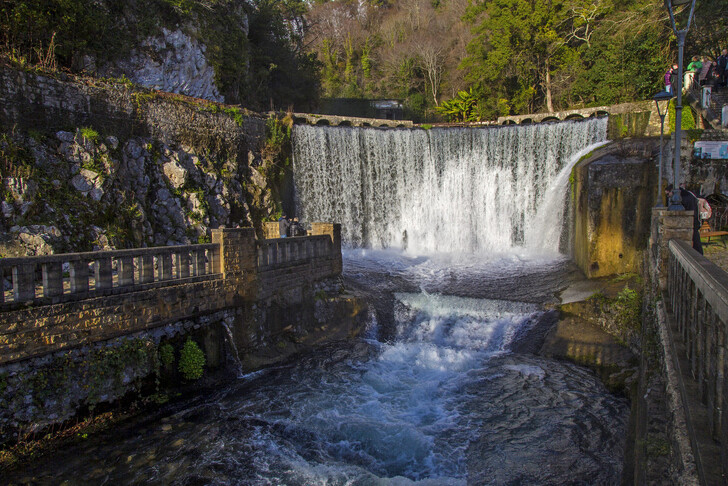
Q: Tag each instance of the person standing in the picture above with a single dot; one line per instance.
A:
(722, 62)
(693, 70)
(690, 203)
(668, 80)
(283, 226)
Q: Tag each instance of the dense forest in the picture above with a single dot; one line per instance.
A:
(478, 59)
(453, 59)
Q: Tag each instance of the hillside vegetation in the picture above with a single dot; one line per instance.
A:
(453, 59)
(485, 58)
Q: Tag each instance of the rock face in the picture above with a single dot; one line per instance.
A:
(174, 62)
(140, 169)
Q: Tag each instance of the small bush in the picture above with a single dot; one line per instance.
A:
(166, 355)
(90, 134)
(191, 361)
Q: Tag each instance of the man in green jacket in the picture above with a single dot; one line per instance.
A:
(693, 69)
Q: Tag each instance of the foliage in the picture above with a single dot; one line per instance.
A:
(90, 134)
(166, 355)
(687, 121)
(191, 360)
(282, 73)
(464, 107)
(16, 159)
(628, 308)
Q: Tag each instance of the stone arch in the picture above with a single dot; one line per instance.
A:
(300, 119)
(383, 125)
(508, 121)
(526, 121)
(323, 122)
(345, 123)
(575, 116)
(401, 126)
(366, 124)
(550, 119)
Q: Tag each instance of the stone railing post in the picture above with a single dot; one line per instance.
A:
(238, 256)
(333, 230)
(271, 229)
(668, 225)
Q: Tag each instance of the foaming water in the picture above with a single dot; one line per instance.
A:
(458, 190)
(445, 401)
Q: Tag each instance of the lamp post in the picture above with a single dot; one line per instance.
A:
(662, 100)
(676, 202)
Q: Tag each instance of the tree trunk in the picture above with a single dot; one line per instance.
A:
(549, 100)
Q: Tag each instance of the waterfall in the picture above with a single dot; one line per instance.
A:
(461, 190)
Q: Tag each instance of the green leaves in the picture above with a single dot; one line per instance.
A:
(463, 108)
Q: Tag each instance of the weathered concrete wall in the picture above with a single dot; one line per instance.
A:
(614, 191)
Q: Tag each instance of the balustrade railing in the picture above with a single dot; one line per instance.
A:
(698, 294)
(282, 251)
(62, 275)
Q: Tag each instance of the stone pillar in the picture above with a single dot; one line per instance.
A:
(238, 256)
(333, 230)
(668, 225)
(271, 229)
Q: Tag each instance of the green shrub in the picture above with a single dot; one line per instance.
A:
(90, 134)
(191, 361)
(166, 355)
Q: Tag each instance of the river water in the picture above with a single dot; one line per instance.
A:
(445, 387)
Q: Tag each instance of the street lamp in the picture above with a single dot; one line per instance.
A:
(662, 101)
(676, 202)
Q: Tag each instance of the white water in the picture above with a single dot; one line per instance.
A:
(455, 190)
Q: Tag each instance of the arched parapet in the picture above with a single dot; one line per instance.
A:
(323, 122)
(574, 116)
(345, 123)
(550, 119)
(508, 121)
(526, 121)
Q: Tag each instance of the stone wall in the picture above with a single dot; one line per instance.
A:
(35, 101)
(614, 191)
(254, 309)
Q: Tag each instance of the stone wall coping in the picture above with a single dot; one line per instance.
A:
(98, 255)
(291, 239)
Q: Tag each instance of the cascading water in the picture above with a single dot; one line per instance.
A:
(459, 190)
(446, 387)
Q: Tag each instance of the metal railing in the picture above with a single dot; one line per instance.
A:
(64, 276)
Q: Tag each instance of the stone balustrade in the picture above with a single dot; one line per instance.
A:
(63, 277)
(697, 294)
(282, 251)
(103, 295)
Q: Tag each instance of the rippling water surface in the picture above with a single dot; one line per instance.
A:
(433, 394)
